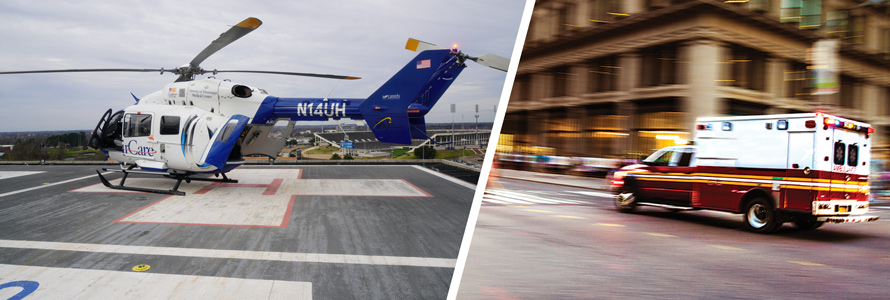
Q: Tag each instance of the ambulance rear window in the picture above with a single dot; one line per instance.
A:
(852, 155)
(840, 152)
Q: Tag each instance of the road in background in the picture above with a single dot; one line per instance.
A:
(567, 241)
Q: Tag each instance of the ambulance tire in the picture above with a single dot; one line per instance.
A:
(625, 202)
(760, 217)
(808, 224)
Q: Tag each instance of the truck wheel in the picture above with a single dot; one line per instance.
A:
(808, 224)
(625, 202)
(760, 217)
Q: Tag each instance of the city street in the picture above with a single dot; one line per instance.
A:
(536, 240)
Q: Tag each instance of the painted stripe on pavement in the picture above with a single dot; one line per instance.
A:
(237, 254)
(596, 194)
(49, 185)
(62, 283)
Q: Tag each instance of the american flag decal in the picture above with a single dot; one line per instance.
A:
(423, 64)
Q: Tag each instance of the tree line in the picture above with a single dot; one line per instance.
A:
(53, 147)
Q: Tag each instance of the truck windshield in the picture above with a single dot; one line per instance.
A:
(659, 158)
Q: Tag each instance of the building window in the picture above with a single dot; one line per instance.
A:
(564, 18)
(659, 65)
(522, 85)
(561, 77)
(849, 86)
(759, 5)
(748, 68)
(604, 11)
(602, 74)
(856, 35)
(884, 40)
(796, 81)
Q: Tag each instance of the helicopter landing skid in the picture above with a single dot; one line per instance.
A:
(174, 191)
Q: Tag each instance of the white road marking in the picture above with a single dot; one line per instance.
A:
(596, 194)
(499, 196)
(237, 254)
(11, 174)
(49, 185)
(449, 178)
(62, 283)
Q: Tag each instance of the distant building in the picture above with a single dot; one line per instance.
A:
(609, 78)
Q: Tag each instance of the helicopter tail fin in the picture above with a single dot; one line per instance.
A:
(395, 111)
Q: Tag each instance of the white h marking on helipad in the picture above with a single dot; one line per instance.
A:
(61, 283)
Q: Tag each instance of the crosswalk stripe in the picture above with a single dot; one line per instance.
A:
(505, 197)
(597, 194)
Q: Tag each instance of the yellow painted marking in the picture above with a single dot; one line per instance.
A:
(722, 247)
(609, 225)
(251, 23)
(660, 234)
(806, 263)
(140, 268)
(538, 210)
(570, 217)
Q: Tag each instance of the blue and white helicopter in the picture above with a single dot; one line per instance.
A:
(205, 126)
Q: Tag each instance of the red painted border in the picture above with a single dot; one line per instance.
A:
(403, 180)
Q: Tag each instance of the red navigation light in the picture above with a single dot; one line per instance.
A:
(700, 126)
(871, 130)
(811, 123)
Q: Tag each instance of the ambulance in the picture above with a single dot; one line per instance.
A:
(806, 169)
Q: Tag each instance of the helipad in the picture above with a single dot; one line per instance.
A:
(326, 232)
(261, 198)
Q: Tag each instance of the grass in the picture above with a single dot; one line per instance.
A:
(323, 150)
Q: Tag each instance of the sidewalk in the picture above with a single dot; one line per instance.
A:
(593, 183)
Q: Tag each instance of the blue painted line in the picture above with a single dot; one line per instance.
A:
(28, 287)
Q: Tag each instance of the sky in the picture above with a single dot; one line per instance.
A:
(355, 38)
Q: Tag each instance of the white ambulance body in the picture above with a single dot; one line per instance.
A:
(805, 168)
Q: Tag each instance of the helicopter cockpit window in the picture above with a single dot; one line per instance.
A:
(169, 125)
(227, 131)
(137, 125)
(241, 91)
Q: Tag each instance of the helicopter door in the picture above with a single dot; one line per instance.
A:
(267, 140)
(138, 141)
(223, 142)
(195, 139)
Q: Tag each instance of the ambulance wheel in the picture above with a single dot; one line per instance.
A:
(807, 224)
(625, 202)
(760, 217)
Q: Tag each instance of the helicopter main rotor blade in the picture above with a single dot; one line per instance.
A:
(84, 70)
(226, 38)
(288, 73)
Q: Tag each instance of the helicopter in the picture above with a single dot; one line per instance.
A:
(205, 126)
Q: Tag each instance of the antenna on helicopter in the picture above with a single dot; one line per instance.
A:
(331, 92)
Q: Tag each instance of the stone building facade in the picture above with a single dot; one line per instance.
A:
(619, 78)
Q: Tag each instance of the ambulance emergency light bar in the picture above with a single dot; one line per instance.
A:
(827, 121)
